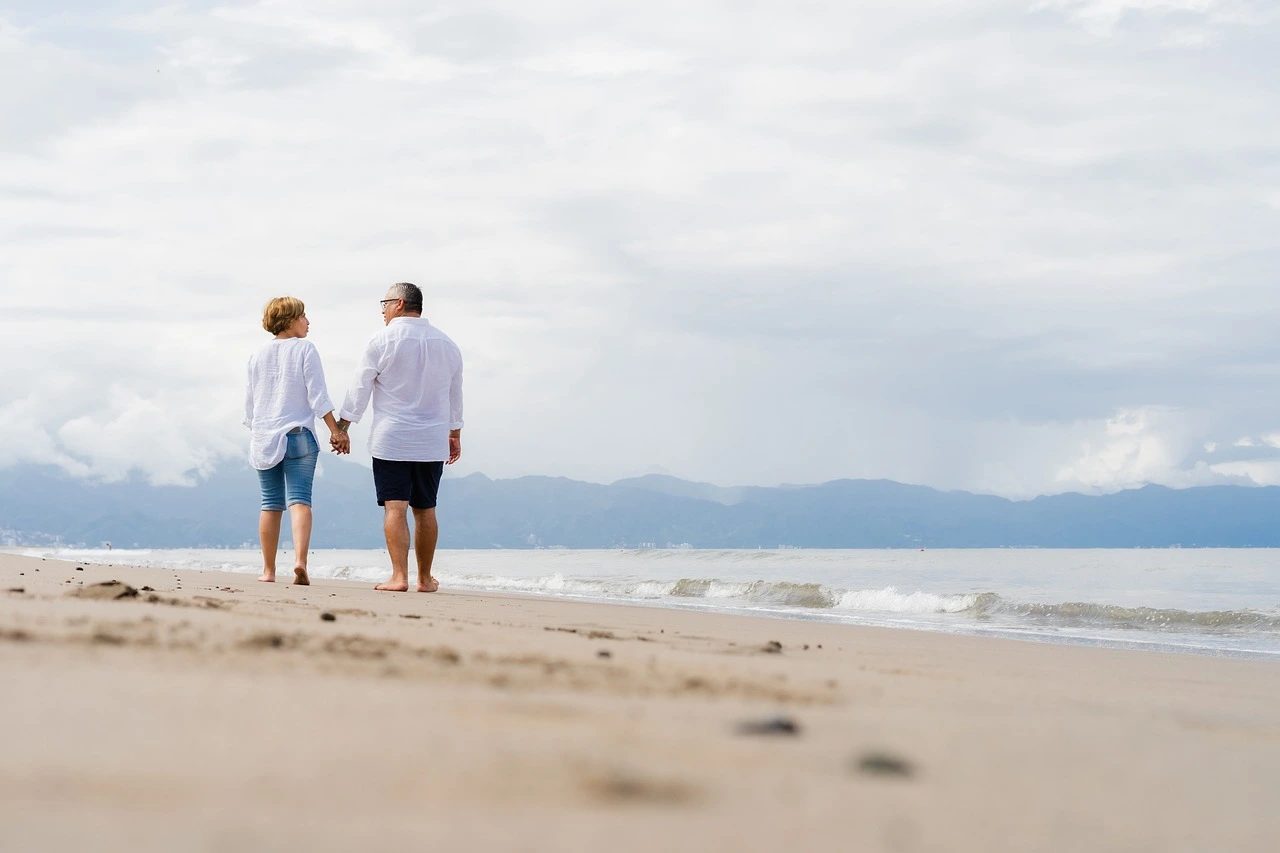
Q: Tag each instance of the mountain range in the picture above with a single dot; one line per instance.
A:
(43, 505)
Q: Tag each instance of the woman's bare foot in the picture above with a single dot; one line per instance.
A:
(430, 586)
(394, 585)
(267, 577)
(300, 576)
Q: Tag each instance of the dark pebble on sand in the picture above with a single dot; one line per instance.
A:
(16, 589)
(328, 617)
(147, 589)
(770, 726)
(604, 653)
(881, 764)
(79, 568)
(106, 591)
(773, 647)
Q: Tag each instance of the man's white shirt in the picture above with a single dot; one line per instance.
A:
(412, 372)
(285, 389)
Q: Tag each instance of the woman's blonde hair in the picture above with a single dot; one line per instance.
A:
(280, 313)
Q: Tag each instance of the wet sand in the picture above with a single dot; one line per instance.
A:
(209, 712)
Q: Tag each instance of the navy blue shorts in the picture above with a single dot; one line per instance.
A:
(415, 482)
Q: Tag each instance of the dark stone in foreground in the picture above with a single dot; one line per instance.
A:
(773, 647)
(328, 617)
(880, 764)
(106, 591)
(770, 726)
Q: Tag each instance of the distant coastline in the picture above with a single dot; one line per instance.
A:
(43, 506)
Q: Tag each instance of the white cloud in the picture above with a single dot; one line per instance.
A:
(1104, 17)
(1261, 472)
(759, 246)
(1137, 447)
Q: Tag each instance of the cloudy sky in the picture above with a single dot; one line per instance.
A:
(1010, 246)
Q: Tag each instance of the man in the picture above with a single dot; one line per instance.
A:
(413, 373)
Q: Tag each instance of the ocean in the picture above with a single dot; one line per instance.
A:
(1217, 602)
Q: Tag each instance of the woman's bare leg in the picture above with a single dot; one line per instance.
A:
(300, 516)
(269, 536)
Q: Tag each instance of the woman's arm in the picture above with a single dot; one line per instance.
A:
(339, 441)
(318, 397)
(248, 396)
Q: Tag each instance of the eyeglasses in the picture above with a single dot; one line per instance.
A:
(383, 302)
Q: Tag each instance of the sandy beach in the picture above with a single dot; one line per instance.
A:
(205, 711)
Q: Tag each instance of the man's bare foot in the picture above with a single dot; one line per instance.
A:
(267, 577)
(300, 576)
(393, 585)
(430, 586)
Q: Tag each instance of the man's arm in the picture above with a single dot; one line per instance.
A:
(455, 414)
(357, 399)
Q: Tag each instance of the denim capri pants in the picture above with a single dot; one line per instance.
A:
(289, 481)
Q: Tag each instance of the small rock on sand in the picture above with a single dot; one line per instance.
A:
(107, 591)
(773, 647)
(770, 726)
(328, 617)
(604, 653)
(882, 764)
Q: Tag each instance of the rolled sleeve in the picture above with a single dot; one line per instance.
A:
(317, 391)
(455, 399)
(248, 395)
(357, 399)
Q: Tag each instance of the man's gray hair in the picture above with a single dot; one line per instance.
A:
(411, 295)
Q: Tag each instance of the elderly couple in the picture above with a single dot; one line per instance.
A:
(412, 372)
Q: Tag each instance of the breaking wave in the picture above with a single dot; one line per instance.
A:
(981, 607)
(967, 611)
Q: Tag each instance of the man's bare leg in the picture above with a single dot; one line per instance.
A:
(269, 536)
(300, 517)
(395, 525)
(425, 533)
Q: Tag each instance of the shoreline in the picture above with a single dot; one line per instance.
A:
(213, 711)
(1206, 644)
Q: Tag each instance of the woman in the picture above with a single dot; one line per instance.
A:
(285, 395)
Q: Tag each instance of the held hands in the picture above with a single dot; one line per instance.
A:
(339, 441)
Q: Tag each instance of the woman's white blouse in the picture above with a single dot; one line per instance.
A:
(286, 389)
